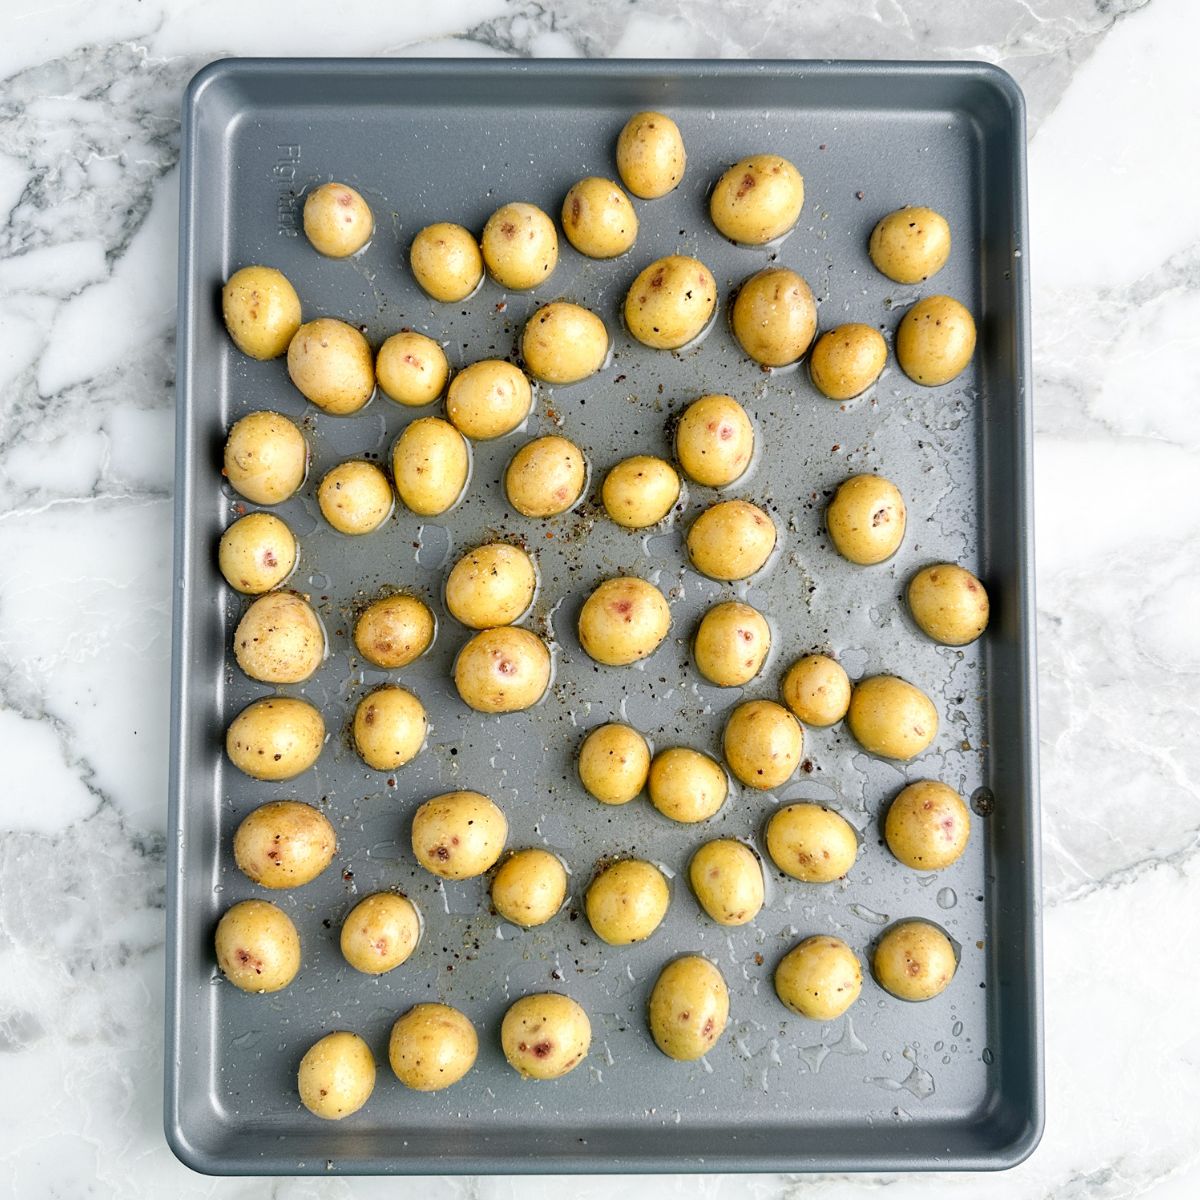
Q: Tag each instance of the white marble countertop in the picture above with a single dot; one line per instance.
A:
(89, 138)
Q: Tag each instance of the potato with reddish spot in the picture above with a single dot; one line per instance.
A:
(258, 948)
(670, 303)
(598, 218)
(847, 360)
(332, 365)
(651, 158)
(380, 933)
(529, 887)
(411, 369)
(431, 1047)
(257, 553)
(890, 717)
(394, 631)
(623, 621)
(731, 644)
(279, 639)
(458, 835)
(948, 603)
(714, 441)
(757, 199)
(686, 785)
(431, 463)
(727, 880)
(819, 978)
(563, 343)
(763, 744)
(488, 399)
(389, 728)
(276, 738)
(817, 689)
(284, 844)
(446, 261)
(520, 246)
(927, 826)
(640, 491)
(336, 1076)
(614, 761)
(774, 317)
(914, 960)
(261, 311)
(545, 477)
(266, 458)
(337, 220)
(866, 519)
(689, 1008)
(731, 540)
(545, 1035)
(627, 901)
(502, 670)
(811, 843)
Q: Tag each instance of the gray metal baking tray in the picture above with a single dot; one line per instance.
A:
(953, 1083)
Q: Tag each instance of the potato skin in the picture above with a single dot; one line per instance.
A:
(257, 553)
(847, 360)
(651, 158)
(774, 317)
(757, 199)
(914, 960)
(458, 835)
(935, 341)
(258, 948)
(627, 901)
(640, 491)
(276, 738)
(892, 718)
(689, 1008)
(714, 441)
(948, 603)
(544, 1036)
(279, 639)
(502, 670)
(380, 933)
(394, 630)
(731, 644)
(686, 785)
(598, 218)
(430, 466)
(614, 761)
(332, 365)
(389, 728)
(491, 585)
(446, 262)
(817, 689)
(811, 843)
(670, 303)
(545, 477)
(866, 519)
(284, 844)
(355, 497)
(520, 246)
(563, 343)
(266, 458)
(529, 888)
(411, 369)
(488, 399)
(261, 311)
(623, 620)
(731, 540)
(336, 1076)
(763, 744)
(337, 220)
(727, 880)
(927, 826)
(910, 244)
(819, 978)
(432, 1046)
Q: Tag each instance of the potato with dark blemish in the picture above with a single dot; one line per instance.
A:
(640, 491)
(266, 458)
(544, 1036)
(623, 620)
(757, 199)
(598, 218)
(763, 744)
(411, 369)
(817, 690)
(811, 843)
(927, 826)
(935, 341)
(355, 497)
(774, 317)
(258, 948)
(866, 519)
(890, 717)
(284, 844)
(914, 960)
(689, 1008)
(332, 365)
(614, 761)
(380, 933)
(279, 639)
(529, 887)
(446, 261)
(430, 466)
(627, 901)
(458, 835)
(686, 785)
(714, 441)
(819, 978)
(670, 303)
(731, 644)
(727, 879)
(276, 738)
(948, 603)
(257, 553)
(337, 220)
(847, 360)
(520, 246)
(491, 585)
(502, 670)
(563, 343)
(910, 244)
(389, 728)
(393, 631)
(336, 1076)
(731, 540)
(545, 477)
(488, 399)
(261, 311)
(651, 158)
(431, 1047)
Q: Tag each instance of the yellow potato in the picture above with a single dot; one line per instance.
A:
(563, 343)
(430, 465)
(488, 399)
(545, 477)
(614, 761)
(355, 497)
(817, 690)
(914, 960)
(623, 620)
(650, 155)
(491, 585)
(389, 728)
(545, 1036)
(811, 843)
(380, 933)
(458, 835)
(686, 785)
(266, 458)
(640, 491)
(927, 826)
(847, 360)
(731, 644)
(774, 317)
(275, 739)
(866, 519)
(763, 744)
(935, 341)
(689, 1008)
(627, 901)
(258, 948)
(529, 888)
(728, 881)
(910, 244)
(757, 199)
(731, 540)
(502, 670)
(279, 639)
(394, 630)
(336, 1076)
(670, 303)
(337, 220)
(257, 553)
(520, 246)
(284, 844)
(446, 261)
(331, 364)
(432, 1046)
(714, 441)
(411, 368)
(598, 218)
(819, 978)
(891, 718)
(948, 603)
(261, 311)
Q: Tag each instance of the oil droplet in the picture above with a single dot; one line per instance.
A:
(869, 915)
(947, 898)
(987, 1056)
(956, 1029)
(433, 549)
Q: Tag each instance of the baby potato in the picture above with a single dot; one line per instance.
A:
(258, 948)
(639, 492)
(446, 262)
(731, 644)
(545, 477)
(389, 728)
(432, 1046)
(380, 932)
(891, 718)
(757, 199)
(430, 466)
(279, 639)
(774, 317)
(811, 843)
(728, 881)
(355, 497)
(336, 1076)
(520, 246)
(627, 901)
(650, 155)
(563, 343)
(284, 844)
(257, 553)
(411, 368)
(488, 399)
(337, 220)
(686, 785)
(623, 620)
(544, 1036)
(458, 835)
(866, 519)
(731, 540)
(529, 888)
(847, 360)
(763, 744)
(266, 458)
(817, 690)
(394, 631)
(935, 341)
(914, 960)
(927, 826)
(614, 761)
(714, 441)
(689, 1008)
(491, 585)
(948, 604)
(331, 364)
(598, 218)
(910, 244)
(261, 311)
(670, 303)
(275, 739)
(502, 670)
(819, 978)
